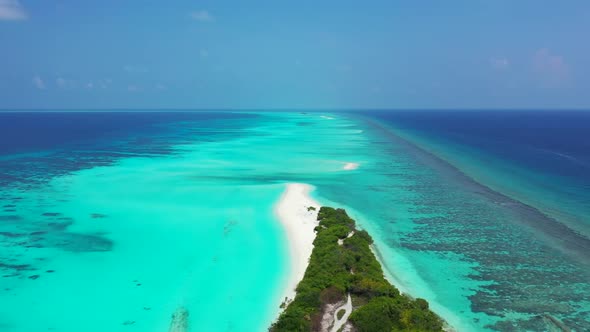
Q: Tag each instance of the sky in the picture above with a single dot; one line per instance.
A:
(282, 54)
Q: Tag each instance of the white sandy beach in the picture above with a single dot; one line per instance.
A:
(299, 223)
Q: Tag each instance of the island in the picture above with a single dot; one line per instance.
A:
(344, 288)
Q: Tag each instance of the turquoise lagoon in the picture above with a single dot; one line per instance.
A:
(180, 215)
(122, 246)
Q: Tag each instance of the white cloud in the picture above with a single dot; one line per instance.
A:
(64, 83)
(101, 83)
(551, 69)
(11, 10)
(71, 84)
(500, 63)
(202, 16)
(61, 82)
(38, 82)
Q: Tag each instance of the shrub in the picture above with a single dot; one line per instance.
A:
(328, 278)
(340, 313)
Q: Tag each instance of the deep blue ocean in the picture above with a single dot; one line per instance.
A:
(509, 194)
(541, 158)
(37, 146)
(556, 142)
(23, 132)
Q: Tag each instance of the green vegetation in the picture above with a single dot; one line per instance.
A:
(340, 313)
(310, 208)
(335, 270)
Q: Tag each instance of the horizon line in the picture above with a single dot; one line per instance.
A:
(160, 109)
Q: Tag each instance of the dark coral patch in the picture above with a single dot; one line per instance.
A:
(17, 267)
(75, 242)
(97, 216)
(10, 218)
(11, 235)
(57, 226)
(51, 214)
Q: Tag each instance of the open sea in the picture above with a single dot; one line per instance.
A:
(113, 221)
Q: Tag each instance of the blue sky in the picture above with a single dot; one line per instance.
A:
(294, 54)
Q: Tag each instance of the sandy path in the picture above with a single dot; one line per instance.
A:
(338, 323)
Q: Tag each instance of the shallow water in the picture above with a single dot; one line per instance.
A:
(116, 226)
(483, 259)
(123, 239)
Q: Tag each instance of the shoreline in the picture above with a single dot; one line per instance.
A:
(452, 322)
(299, 223)
(342, 265)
